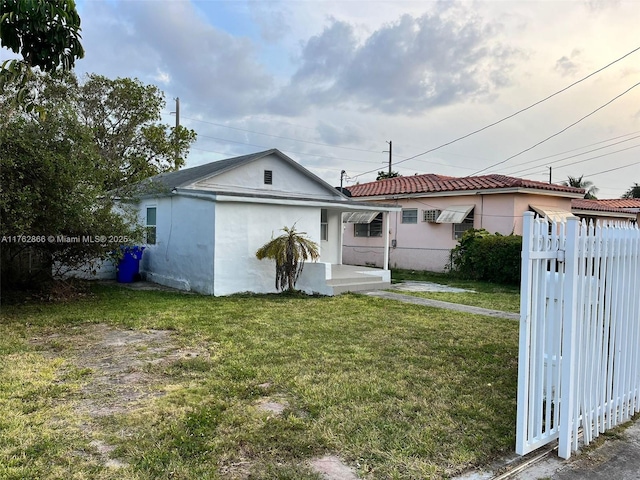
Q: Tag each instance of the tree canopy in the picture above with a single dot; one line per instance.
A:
(578, 182)
(633, 192)
(382, 175)
(45, 33)
(123, 116)
(58, 171)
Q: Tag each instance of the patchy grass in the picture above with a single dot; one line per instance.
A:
(396, 390)
(487, 295)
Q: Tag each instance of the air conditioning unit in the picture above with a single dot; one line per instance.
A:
(430, 215)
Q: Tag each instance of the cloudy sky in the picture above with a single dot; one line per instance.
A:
(329, 83)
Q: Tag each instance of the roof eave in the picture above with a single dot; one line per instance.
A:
(456, 193)
(602, 213)
(346, 203)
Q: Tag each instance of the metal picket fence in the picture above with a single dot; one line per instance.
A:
(579, 356)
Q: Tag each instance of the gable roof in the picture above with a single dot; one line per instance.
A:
(188, 176)
(432, 183)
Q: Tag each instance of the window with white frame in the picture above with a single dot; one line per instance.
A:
(150, 225)
(373, 229)
(324, 224)
(460, 228)
(409, 215)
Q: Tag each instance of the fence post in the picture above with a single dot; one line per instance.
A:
(524, 352)
(569, 311)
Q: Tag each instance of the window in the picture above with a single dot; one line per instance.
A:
(151, 225)
(373, 229)
(324, 225)
(460, 228)
(268, 177)
(410, 215)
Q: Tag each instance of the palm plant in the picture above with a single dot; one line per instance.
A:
(633, 192)
(289, 250)
(578, 182)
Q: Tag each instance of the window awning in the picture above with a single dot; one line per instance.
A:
(454, 214)
(359, 217)
(552, 214)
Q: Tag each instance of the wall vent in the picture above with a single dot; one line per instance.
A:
(268, 177)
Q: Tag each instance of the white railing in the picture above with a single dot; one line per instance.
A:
(579, 359)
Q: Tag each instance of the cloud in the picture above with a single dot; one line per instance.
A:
(272, 22)
(408, 66)
(340, 135)
(567, 66)
(204, 65)
(597, 5)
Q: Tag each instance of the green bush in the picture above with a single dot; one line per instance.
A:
(480, 255)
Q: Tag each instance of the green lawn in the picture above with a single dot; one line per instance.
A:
(487, 295)
(397, 391)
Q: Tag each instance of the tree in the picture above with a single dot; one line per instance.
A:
(58, 170)
(578, 182)
(633, 192)
(54, 211)
(123, 115)
(289, 251)
(123, 118)
(46, 33)
(382, 175)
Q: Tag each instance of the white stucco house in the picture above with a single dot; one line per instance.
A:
(204, 225)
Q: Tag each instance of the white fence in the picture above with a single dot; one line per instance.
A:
(579, 358)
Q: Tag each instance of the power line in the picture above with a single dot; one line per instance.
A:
(284, 150)
(580, 154)
(558, 133)
(513, 114)
(613, 169)
(575, 149)
(281, 137)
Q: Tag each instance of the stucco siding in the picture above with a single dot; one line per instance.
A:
(427, 246)
(420, 245)
(330, 248)
(522, 203)
(183, 254)
(242, 228)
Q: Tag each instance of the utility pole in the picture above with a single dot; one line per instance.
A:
(549, 175)
(390, 154)
(342, 174)
(177, 112)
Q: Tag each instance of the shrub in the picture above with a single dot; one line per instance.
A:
(480, 255)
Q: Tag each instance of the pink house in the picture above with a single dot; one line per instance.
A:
(437, 210)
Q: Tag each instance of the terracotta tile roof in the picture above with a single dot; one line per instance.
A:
(430, 183)
(594, 205)
(615, 205)
(622, 202)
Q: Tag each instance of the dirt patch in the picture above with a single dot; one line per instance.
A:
(117, 363)
(118, 369)
(274, 406)
(331, 467)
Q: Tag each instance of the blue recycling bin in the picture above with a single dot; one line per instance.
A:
(129, 264)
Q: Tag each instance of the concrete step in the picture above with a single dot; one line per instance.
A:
(353, 279)
(360, 287)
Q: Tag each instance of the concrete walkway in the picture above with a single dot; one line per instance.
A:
(427, 302)
(615, 458)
